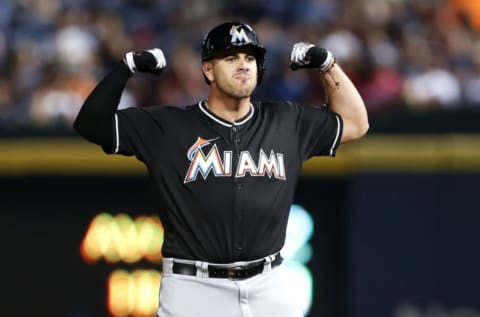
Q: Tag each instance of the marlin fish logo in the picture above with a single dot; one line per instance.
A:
(203, 164)
(238, 35)
(199, 144)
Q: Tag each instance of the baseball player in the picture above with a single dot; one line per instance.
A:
(224, 170)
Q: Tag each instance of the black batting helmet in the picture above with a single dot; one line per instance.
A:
(230, 36)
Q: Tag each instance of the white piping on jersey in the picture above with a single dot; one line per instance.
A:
(117, 138)
(252, 110)
(332, 149)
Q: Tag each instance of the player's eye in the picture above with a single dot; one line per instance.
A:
(251, 58)
(229, 58)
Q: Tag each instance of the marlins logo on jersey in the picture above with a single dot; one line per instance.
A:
(271, 164)
(239, 37)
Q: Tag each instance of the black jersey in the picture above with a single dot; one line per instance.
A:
(224, 189)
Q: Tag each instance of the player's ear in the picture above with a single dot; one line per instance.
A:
(207, 68)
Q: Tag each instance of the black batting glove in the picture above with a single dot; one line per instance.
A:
(307, 55)
(149, 61)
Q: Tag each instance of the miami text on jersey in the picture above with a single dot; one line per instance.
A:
(271, 165)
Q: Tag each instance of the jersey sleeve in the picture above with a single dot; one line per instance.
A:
(133, 131)
(319, 130)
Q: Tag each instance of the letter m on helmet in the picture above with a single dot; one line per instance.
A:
(239, 36)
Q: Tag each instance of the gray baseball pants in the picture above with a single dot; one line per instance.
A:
(264, 295)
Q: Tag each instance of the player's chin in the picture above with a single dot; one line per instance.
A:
(242, 93)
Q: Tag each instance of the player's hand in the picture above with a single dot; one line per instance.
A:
(149, 61)
(307, 55)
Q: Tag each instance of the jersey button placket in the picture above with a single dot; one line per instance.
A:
(238, 213)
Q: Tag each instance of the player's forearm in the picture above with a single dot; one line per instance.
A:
(345, 100)
(94, 121)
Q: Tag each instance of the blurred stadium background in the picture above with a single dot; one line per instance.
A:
(394, 217)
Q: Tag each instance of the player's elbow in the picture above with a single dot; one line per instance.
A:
(95, 130)
(360, 122)
(354, 130)
(77, 126)
(362, 129)
(82, 127)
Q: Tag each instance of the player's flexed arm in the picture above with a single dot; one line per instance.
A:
(94, 121)
(343, 97)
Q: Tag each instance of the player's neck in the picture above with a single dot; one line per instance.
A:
(229, 109)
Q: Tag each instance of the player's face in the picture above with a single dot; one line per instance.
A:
(235, 75)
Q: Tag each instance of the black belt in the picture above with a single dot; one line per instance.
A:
(233, 273)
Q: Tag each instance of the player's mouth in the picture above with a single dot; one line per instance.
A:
(242, 76)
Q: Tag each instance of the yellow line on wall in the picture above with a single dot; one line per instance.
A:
(416, 153)
(61, 156)
(374, 153)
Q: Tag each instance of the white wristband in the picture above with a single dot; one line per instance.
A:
(159, 57)
(130, 62)
(328, 62)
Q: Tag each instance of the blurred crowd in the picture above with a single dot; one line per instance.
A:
(402, 54)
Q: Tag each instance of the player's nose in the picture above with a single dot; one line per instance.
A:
(243, 63)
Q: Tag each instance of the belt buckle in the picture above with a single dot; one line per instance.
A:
(232, 272)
